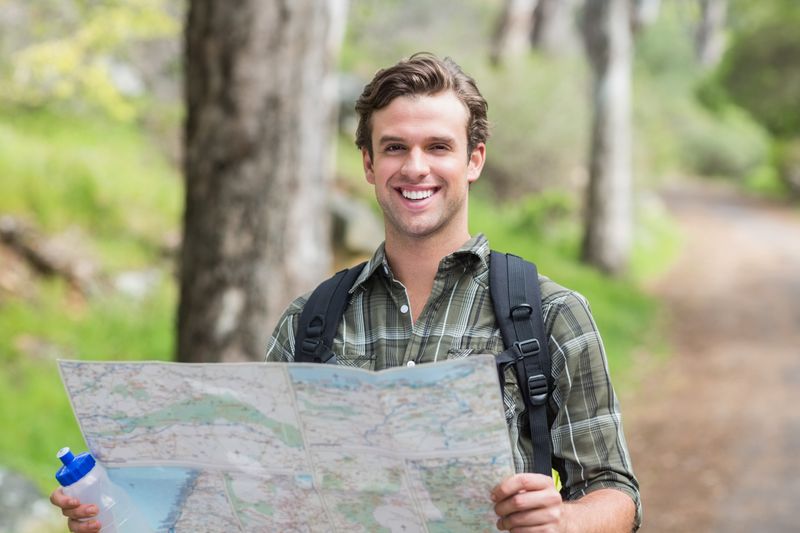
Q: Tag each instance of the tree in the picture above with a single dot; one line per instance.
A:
(259, 116)
(710, 37)
(607, 35)
(644, 13)
(512, 36)
(554, 26)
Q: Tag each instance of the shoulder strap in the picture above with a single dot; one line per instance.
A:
(514, 287)
(320, 317)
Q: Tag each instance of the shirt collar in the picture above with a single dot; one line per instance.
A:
(473, 254)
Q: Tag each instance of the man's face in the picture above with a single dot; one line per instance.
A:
(420, 166)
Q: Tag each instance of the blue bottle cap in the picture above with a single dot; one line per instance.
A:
(74, 467)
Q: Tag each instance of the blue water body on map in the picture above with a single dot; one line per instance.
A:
(159, 492)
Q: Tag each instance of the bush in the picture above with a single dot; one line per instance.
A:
(787, 157)
(540, 117)
(761, 72)
(729, 144)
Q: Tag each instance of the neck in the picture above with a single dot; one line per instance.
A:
(415, 261)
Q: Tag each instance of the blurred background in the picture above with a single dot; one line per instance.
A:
(173, 173)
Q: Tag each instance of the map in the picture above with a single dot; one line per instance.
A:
(255, 447)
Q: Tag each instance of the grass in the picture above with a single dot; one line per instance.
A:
(66, 171)
(105, 181)
(34, 408)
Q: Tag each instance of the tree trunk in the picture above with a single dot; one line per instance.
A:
(512, 34)
(710, 37)
(554, 27)
(645, 13)
(259, 92)
(607, 236)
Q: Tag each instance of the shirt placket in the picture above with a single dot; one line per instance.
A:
(424, 341)
(401, 312)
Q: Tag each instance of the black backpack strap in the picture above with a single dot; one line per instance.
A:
(514, 286)
(320, 318)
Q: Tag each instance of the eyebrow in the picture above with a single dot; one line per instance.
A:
(435, 139)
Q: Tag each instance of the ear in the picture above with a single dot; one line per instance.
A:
(476, 160)
(367, 162)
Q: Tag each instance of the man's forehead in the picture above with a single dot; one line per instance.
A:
(439, 116)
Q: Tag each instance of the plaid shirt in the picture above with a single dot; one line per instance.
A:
(458, 320)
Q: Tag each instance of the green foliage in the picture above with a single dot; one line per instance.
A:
(34, 409)
(82, 62)
(761, 71)
(66, 170)
(540, 129)
(545, 231)
(787, 155)
(685, 122)
(729, 144)
(103, 180)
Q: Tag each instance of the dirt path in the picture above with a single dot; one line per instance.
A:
(715, 432)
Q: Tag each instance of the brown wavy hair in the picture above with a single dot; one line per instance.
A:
(426, 74)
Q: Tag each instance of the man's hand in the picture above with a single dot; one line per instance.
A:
(528, 503)
(74, 511)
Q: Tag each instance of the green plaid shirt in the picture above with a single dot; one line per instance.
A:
(458, 320)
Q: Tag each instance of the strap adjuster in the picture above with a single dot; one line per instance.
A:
(319, 353)
(528, 347)
(537, 388)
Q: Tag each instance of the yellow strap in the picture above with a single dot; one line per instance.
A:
(556, 480)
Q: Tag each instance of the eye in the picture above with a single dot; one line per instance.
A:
(439, 147)
(392, 148)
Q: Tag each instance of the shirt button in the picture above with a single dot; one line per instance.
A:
(411, 363)
(404, 309)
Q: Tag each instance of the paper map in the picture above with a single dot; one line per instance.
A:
(257, 447)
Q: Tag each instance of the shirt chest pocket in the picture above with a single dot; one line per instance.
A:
(459, 353)
(466, 346)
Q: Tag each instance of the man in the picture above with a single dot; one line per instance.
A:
(423, 297)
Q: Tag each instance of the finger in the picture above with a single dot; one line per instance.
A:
(92, 526)
(518, 482)
(59, 499)
(548, 517)
(81, 512)
(525, 501)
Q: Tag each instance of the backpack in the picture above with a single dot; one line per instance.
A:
(514, 288)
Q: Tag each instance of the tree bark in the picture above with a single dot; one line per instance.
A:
(645, 13)
(513, 30)
(554, 26)
(710, 37)
(259, 90)
(607, 235)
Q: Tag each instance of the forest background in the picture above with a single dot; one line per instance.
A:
(91, 150)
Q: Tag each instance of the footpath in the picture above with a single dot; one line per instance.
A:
(715, 430)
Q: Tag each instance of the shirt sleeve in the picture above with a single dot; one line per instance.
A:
(280, 347)
(589, 447)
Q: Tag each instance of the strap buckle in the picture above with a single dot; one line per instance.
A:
(318, 351)
(537, 388)
(528, 347)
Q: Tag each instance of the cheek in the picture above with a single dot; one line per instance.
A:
(383, 170)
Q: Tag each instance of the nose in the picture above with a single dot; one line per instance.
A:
(415, 164)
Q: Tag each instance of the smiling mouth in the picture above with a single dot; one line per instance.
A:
(417, 194)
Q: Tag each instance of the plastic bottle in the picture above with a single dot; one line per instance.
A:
(85, 479)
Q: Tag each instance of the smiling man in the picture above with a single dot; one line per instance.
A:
(424, 297)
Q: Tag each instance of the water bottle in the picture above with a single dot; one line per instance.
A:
(85, 479)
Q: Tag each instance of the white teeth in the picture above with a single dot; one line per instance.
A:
(417, 195)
